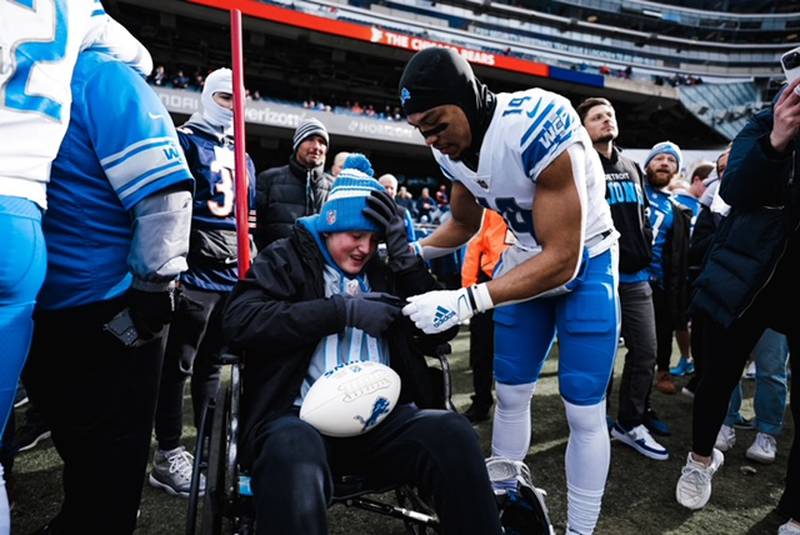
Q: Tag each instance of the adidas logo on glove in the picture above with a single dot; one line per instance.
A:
(442, 315)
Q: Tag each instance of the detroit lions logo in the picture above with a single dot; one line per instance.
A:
(405, 96)
(330, 217)
(381, 407)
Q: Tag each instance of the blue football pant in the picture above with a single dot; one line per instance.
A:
(587, 322)
(22, 268)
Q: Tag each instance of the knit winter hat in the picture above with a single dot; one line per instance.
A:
(665, 147)
(309, 127)
(343, 211)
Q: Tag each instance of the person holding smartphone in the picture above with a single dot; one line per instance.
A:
(117, 232)
(748, 280)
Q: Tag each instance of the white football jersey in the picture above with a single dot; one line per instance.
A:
(39, 43)
(528, 131)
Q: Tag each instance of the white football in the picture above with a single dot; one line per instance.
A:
(351, 399)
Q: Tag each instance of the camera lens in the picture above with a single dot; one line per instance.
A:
(791, 61)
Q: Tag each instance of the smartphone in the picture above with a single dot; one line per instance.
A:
(790, 62)
(121, 327)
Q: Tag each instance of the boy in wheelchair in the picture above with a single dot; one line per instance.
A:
(322, 298)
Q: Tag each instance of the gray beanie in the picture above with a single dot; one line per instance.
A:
(309, 127)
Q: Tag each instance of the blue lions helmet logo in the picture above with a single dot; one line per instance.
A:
(405, 96)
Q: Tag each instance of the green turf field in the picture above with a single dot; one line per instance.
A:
(639, 499)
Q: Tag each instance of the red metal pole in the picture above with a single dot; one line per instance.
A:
(242, 186)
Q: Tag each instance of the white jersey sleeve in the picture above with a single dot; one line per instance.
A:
(39, 43)
(540, 125)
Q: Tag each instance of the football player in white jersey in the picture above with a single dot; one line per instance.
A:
(526, 156)
(39, 44)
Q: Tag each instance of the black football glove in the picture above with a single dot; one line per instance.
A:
(382, 209)
(371, 312)
(151, 311)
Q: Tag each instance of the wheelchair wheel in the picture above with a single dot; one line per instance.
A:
(408, 497)
(199, 466)
(215, 498)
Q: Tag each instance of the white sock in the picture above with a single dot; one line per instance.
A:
(5, 514)
(587, 458)
(511, 431)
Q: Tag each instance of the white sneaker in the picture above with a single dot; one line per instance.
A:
(640, 439)
(790, 528)
(763, 449)
(694, 487)
(726, 438)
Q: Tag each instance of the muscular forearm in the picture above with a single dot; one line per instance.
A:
(451, 234)
(541, 273)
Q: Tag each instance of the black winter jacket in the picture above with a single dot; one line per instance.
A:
(676, 265)
(756, 240)
(278, 314)
(628, 203)
(285, 194)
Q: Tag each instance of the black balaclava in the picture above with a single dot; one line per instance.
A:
(438, 76)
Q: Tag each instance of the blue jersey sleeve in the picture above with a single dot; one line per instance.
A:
(136, 144)
(549, 126)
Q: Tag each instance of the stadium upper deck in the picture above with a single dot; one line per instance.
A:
(339, 53)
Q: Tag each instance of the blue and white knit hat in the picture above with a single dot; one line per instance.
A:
(343, 211)
(665, 147)
(309, 127)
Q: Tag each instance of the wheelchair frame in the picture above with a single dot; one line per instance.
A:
(228, 496)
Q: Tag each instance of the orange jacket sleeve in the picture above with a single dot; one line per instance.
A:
(485, 249)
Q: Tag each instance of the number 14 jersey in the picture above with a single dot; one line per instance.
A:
(528, 131)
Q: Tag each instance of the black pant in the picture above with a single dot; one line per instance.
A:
(698, 351)
(195, 340)
(726, 354)
(638, 330)
(98, 398)
(664, 327)
(437, 451)
(481, 357)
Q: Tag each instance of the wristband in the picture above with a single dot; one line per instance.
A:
(479, 297)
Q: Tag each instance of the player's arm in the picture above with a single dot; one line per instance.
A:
(457, 230)
(147, 169)
(558, 219)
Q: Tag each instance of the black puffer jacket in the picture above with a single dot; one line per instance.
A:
(278, 314)
(757, 242)
(285, 194)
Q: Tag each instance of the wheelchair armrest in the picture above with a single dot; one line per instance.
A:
(440, 353)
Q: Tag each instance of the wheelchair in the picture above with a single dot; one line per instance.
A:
(228, 498)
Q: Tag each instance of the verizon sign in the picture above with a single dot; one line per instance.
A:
(289, 117)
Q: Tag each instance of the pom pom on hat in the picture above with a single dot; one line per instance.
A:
(359, 162)
(344, 209)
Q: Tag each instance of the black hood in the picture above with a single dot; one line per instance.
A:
(439, 76)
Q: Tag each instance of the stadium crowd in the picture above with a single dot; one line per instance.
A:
(147, 273)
